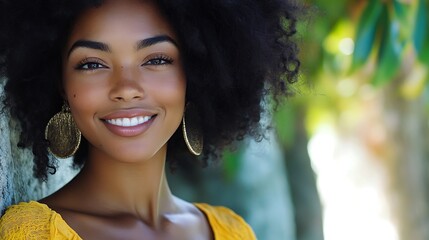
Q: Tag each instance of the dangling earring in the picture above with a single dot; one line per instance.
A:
(192, 132)
(62, 134)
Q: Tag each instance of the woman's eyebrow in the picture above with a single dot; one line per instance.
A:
(154, 40)
(105, 48)
(89, 44)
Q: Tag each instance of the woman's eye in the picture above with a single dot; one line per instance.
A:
(158, 61)
(90, 66)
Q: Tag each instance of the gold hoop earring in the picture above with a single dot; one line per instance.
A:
(62, 134)
(192, 132)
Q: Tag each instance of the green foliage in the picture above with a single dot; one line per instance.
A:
(421, 33)
(391, 41)
(366, 32)
(389, 52)
(387, 28)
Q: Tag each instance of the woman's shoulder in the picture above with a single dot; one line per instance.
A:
(33, 220)
(225, 223)
(31, 208)
(25, 220)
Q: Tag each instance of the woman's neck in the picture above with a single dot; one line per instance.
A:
(108, 187)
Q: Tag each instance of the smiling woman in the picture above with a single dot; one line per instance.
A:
(123, 75)
(114, 74)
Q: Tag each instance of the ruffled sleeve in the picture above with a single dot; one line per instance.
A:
(34, 220)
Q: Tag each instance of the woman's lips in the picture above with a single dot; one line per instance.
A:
(119, 126)
(129, 122)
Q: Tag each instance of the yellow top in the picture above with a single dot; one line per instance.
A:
(35, 220)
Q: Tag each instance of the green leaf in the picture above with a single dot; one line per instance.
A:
(421, 33)
(423, 54)
(390, 52)
(366, 32)
(402, 12)
(420, 25)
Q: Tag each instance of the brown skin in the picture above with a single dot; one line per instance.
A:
(122, 191)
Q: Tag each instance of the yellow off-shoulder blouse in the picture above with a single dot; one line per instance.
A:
(34, 220)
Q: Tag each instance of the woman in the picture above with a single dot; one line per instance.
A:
(125, 86)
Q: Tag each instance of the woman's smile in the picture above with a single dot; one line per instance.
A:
(129, 122)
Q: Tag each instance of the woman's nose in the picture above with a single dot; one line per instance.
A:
(126, 87)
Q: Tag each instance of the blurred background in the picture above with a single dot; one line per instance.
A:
(346, 157)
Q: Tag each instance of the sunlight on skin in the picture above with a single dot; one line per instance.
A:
(352, 187)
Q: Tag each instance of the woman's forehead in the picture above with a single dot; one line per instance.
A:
(125, 18)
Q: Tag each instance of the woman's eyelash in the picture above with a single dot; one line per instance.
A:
(159, 60)
(89, 64)
(93, 64)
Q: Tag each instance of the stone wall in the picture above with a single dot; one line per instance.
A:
(16, 167)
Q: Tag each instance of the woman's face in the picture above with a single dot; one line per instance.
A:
(123, 79)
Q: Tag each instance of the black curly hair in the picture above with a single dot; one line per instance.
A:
(235, 54)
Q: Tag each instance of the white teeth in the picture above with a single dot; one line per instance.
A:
(134, 121)
(126, 122)
(129, 122)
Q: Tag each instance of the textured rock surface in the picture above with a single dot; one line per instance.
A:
(16, 168)
(5, 157)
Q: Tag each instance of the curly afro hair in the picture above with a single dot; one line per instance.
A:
(235, 53)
